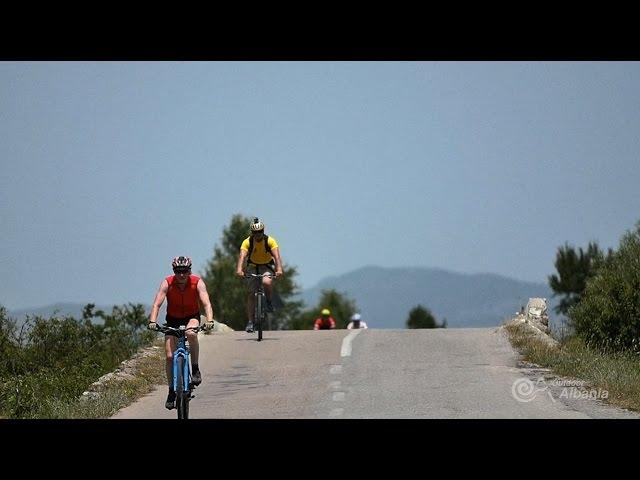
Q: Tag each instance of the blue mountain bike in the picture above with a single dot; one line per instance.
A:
(182, 384)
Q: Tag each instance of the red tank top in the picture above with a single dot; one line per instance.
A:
(183, 303)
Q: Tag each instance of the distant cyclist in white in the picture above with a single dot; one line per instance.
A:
(356, 322)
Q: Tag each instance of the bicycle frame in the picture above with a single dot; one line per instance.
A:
(182, 352)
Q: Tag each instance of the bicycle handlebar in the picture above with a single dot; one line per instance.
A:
(265, 274)
(166, 328)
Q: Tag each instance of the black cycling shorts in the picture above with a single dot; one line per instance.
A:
(176, 322)
(258, 269)
(261, 268)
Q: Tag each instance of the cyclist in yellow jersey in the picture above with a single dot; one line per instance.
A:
(262, 256)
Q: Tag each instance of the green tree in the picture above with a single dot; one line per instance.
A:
(421, 317)
(340, 305)
(608, 315)
(228, 293)
(574, 269)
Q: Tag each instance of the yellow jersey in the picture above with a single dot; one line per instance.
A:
(259, 256)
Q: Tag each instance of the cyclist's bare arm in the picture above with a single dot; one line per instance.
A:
(276, 255)
(158, 301)
(241, 258)
(204, 300)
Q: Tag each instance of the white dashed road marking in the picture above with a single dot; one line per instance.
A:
(345, 351)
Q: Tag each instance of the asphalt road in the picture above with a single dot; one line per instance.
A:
(435, 373)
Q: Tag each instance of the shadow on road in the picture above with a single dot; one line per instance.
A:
(255, 339)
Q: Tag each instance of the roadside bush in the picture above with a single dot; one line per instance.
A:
(608, 316)
(56, 359)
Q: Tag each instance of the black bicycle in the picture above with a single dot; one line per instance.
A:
(260, 310)
(182, 384)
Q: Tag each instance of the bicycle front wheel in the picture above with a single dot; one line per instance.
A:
(182, 404)
(259, 313)
(183, 412)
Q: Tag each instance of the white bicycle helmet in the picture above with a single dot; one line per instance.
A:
(256, 225)
(355, 317)
(181, 262)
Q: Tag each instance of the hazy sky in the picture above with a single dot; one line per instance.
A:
(110, 169)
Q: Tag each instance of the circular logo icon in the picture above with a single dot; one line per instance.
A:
(524, 390)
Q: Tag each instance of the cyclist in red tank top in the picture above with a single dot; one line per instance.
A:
(186, 294)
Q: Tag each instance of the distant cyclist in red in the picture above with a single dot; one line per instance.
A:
(325, 322)
(185, 294)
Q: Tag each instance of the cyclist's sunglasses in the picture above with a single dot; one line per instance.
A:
(257, 232)
(181, 270)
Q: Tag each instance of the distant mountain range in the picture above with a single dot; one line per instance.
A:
(385, 296)
(59, 309)
(62, 310)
